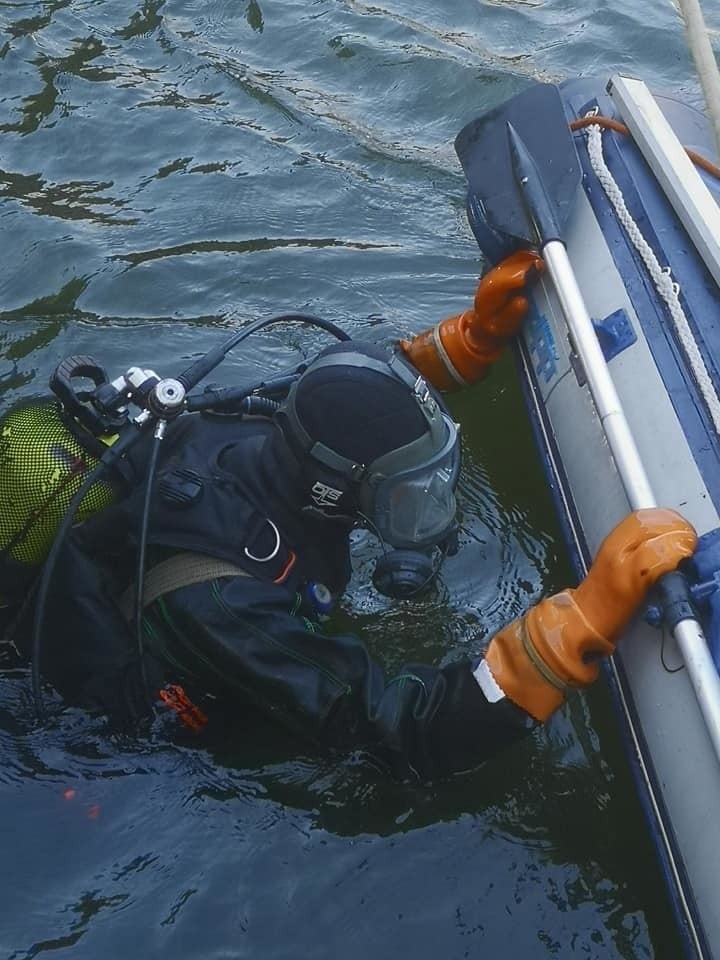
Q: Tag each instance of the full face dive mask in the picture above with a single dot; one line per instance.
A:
(377, 446)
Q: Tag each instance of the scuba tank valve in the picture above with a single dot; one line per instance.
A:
(49, 446)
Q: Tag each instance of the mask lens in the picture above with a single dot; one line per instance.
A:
(417, 507)
(420, 509)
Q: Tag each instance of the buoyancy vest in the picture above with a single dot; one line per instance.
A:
(211, 495)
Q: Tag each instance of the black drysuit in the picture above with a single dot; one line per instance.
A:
(251, 636)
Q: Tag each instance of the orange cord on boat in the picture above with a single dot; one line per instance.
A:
(707, 165)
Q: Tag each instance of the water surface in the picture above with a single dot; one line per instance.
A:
(168, 172)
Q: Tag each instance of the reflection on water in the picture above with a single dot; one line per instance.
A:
(254, 843)
(169, 171)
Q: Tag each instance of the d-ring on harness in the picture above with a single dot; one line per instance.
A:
(274, 551)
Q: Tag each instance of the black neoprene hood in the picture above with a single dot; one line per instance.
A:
(355, 410)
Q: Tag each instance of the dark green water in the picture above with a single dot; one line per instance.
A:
(169, 171)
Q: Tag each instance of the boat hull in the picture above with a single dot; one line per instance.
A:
(678, 771)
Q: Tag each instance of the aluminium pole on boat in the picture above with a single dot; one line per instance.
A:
(705, 63)
(525, 204)
(688, 633)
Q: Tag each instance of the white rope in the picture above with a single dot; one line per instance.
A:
(666, 287)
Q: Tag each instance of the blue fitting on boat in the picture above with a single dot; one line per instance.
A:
(615, 333)
(653, 615)
(705, 563)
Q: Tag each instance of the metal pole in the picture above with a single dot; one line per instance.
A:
(612, 416)
(705, 63)
(688, 633)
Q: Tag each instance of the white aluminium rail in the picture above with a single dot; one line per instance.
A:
(690, 198)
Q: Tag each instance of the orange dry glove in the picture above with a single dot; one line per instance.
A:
(538, 659)
(458, 351)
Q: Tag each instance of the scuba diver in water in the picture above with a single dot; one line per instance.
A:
(242, 524)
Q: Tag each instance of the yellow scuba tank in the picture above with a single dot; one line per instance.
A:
(41, 467)
(47, 448)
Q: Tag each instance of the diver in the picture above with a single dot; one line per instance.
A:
(248, 547)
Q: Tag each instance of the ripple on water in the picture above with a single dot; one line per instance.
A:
(168, 172)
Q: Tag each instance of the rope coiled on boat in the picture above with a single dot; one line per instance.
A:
(667, 288)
